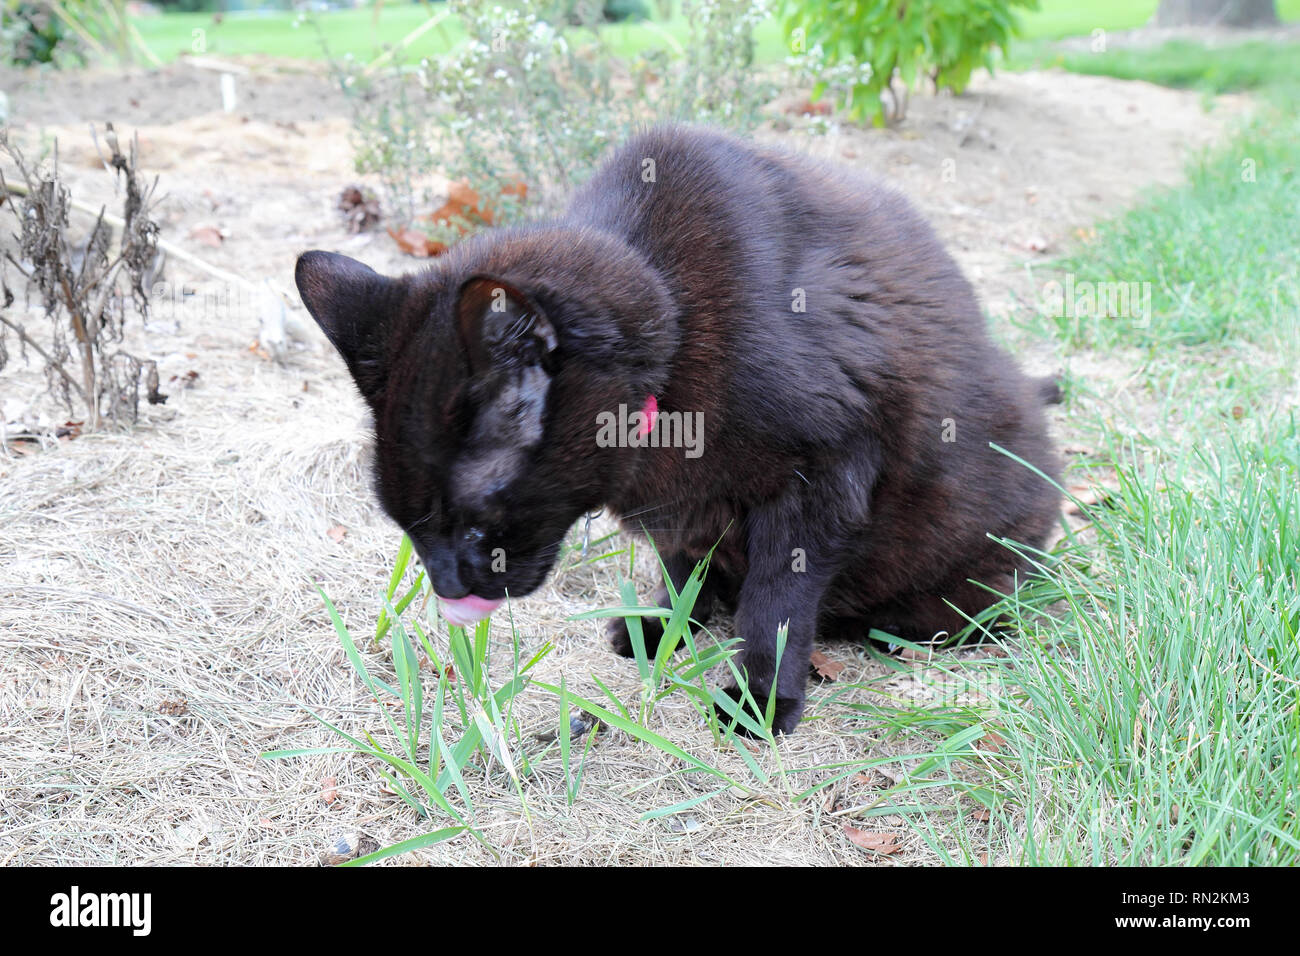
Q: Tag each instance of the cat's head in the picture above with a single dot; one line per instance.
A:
(485, 375)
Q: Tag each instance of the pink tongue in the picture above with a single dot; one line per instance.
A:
(467, 610)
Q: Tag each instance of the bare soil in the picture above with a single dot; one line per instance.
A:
(159, 623)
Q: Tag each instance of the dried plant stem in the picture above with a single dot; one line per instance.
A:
(86, 334)
(81, 298)
(170, 248)
(91, 327)
(31, 343)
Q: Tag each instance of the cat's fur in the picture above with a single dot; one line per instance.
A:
(846, 448)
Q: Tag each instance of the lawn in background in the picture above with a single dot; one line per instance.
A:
(361, 33)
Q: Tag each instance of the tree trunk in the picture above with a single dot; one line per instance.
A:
(1216, 13)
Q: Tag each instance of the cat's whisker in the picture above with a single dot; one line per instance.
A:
(629, 515)
(415, 524)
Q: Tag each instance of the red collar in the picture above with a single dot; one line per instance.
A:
(649, 412)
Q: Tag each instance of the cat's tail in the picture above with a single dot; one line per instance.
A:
(1048, 388)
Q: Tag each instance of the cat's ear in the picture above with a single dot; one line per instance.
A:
(501, 326)
(350, 302)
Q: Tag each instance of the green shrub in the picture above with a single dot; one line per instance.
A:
(31, 34)
(855, 48)
(530, 98)
(66, 32)
(619, 11)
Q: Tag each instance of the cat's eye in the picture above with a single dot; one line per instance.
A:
(472, 535)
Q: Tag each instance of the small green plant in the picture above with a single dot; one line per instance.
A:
(665, 673)
(430, 749)
(858, 50)
(434, 742)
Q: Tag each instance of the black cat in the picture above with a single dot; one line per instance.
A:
(714, 336)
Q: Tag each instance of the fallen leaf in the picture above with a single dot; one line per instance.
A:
(825, 667)
(464, 203)
(464, 206)
(360, 208)
(337, 533)
(808, 108)
(892, 776)
(415, 243)
(1088, 497)
(174, 708)
(208, 236)
(981, 814)
(877, 842)
(348, 846)
(462, 199)
(991, 741)
(329, 790)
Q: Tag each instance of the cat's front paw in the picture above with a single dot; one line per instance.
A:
(784, 720)
(621, 641)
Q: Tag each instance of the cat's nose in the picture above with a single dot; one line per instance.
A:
(443, 568)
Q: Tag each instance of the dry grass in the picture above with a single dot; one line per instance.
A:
(159, 630)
